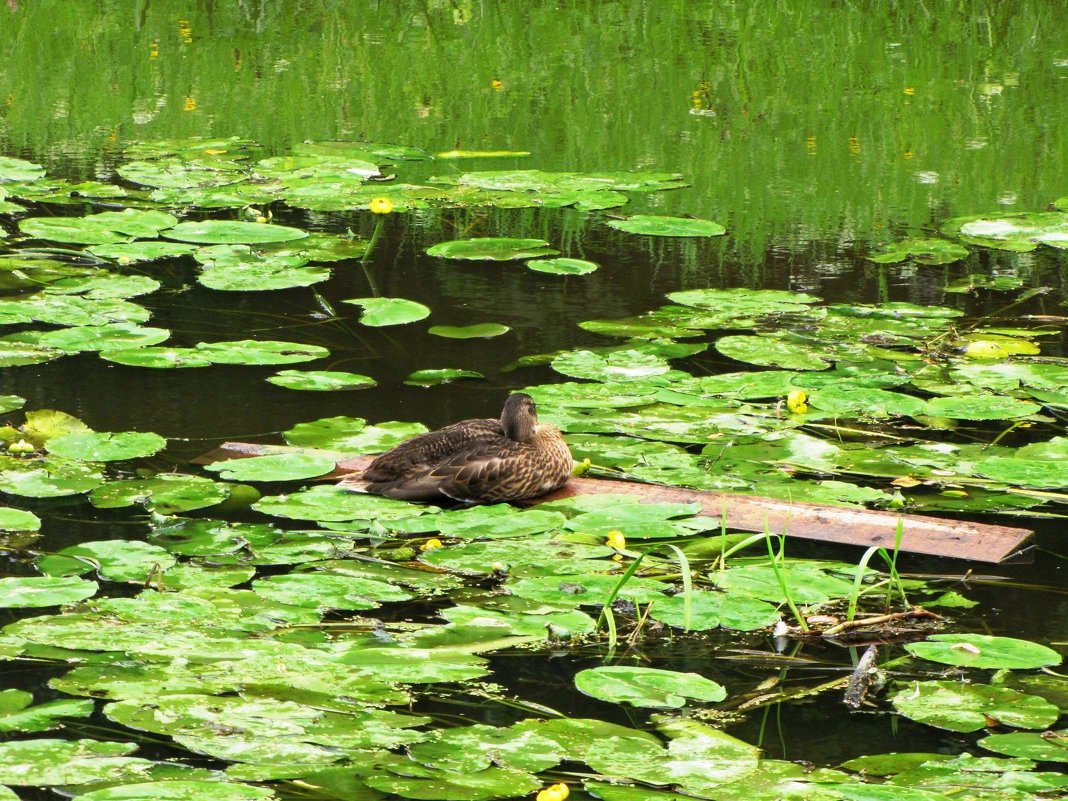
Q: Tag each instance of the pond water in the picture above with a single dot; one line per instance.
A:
(815, 137)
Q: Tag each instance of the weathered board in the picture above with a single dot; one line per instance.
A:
(935, 536)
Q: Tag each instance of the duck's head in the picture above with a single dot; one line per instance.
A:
(520, 417)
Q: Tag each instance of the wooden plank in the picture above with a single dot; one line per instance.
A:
(934, 536)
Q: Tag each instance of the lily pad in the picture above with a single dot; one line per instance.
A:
(25, 592)
(250, 351)
(984, 651)
(277, 467)
(442, 375)
(220, 232)
(981, 407)
(106, 447)
(655, 225)
(923, 251)
(321, 380)
(477, 331)
(620, 365)
(378, 312)
(109, 227)
(647, 687)
(563, 266)
(492, 249)
(972, 707)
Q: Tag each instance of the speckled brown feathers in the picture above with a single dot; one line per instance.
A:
(475, 461)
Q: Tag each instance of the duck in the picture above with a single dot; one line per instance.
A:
(474, 461)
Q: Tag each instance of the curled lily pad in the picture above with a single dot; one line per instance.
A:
(655, 225)
(321, 380)
(563, 266)
(378, 312)
(217, 232)
(477, 331)
(492, 249)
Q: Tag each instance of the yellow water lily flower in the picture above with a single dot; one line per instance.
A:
(381, 205)
(797, 401)
(431, 544)
(556, 792)
(615, 539)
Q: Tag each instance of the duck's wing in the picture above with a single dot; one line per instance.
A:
(421, 453)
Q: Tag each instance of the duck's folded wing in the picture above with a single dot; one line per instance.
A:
(420, 453)
(481, 472)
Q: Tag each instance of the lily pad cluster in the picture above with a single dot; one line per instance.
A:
(893, 405)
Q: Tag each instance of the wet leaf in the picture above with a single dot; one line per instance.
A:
(971, 707)
(44, 762)
(321, 380)
(563, 266)
(277, 467)
(923, 251)
(379, 312)
(16, 714)
(983, 651)
(647, 687)
(167, 493)
(232, 232)
(441, 375)
(1043, 747)
(981, 407)
(655, 225)
(492, 249)
(250, 351)
(477, 331)
(108, 227)
(773, 352)
(25, 592)
(105, 447)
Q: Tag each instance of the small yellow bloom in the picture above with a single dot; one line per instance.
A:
(556, 792)
(497, 85)
(153, 50)
(20, 446)
(797, 401)
(431, 544)
(381, 205)
(615, 539)
(189, 103)
(854, 146)
(909, 91)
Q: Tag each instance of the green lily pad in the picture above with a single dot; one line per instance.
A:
(114, 336)
(655, 225)
(132, 252)
(923, 251)
(321, 380)
(16, 714)
(1025, 472)
(232, 232)
(18, 520)
(109, 227)
(620, 365)
(250, 351)
(491, 783)
(159, 358)
(492, 249)
(1043, 747)
(122, 560)
(26, 592)
(277, 467)
(179, 790)
(647, 687)
(773, 352)
(984, 651)
(106, 447)
(981, 407)
(351, 434)
(971, 707)
(1021, 232)
(12, 169)
(379, 312)
(13, 354)
(167, 493)
(235, 268)
(473, 748)
(45, 762)
(563, 266)
(441, 375)
(477, 331)
(181, 173)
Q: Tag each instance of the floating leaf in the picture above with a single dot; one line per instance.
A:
(157, 357)
(442, 375)
(106, 447)
(1020, 232)
(277, 467)
(166, 494)
(179, 790)
(655, 225)
(18, 520)
(981, 407)
(984, 651)
(563, 266)
(351, 434)
(924, 251)
(12, 169)
(1043, 747)
(26, 592)
(971, 707)
(379, 312)
(321, 380)
(109, 227)
(16, 714)
(44, 762)
(647, 687)
(97, 337)
(250, 351)
(477, 331)
(327, 591)
(235, 232)
(492, 248)
(773, 352)
(619, 365)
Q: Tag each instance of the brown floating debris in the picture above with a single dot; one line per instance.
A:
(934, 536)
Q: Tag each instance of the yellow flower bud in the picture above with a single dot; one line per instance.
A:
(615, 539)
(381, 205)
(797, 401)
(431, 544)
(556, 792)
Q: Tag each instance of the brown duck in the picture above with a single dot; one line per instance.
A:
(475, 461)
